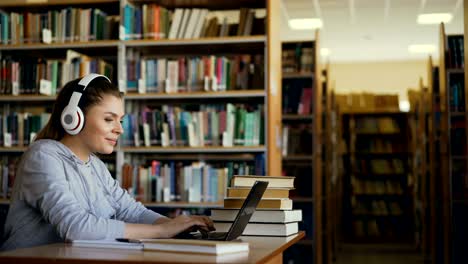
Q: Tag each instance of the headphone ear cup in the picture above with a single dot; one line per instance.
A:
(72, 119)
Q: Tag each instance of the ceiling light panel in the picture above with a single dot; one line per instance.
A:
(434, 18)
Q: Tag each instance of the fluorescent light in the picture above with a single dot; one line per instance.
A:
(404, 106)
(305, 23)
(324, 52)
(422, 48)
(434, 18)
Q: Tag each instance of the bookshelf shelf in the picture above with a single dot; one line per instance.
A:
(26, 98)
(32, 3)
(192, 149)
(377, 134)
(218, 5)
(303, 199)
(306, 242)
(202, 156)
(384, 196)
(294, 117)
(297, 75)
(298, 158)
(260, 40)
(396, 176)
(377, 215)
(455, 71)
(216, 45)
(197, 95)
(458, 114)
(379, 153)
(12, 149)
(66, 45)
(4, 201)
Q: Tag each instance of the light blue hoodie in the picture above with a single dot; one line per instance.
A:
(58, 197)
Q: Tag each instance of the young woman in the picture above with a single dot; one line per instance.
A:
(63, 191)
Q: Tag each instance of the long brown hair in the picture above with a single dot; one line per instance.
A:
(93, 95)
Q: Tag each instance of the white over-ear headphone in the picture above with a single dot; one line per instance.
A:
(72, 118)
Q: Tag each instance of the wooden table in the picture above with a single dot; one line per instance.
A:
(262, 250)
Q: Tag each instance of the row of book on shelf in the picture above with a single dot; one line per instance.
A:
(222, 125)
(457, 93)
(380, 166)
(377, 228)
(28, 75)
(375, 187)
(456, 54)
(211, 125)
(297, 96)
(376, 125)
(299, 59)
(378, 145)
(194, 73)
(152, 21)
(367, 102)
(19, 129)
(297, 140)
(148, 21)
(376, 208)
(167, 181)
(58, 26)
(163, 181)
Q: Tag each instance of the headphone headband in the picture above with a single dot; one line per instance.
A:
(90, 77)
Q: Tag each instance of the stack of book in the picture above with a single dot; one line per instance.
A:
(274, 215)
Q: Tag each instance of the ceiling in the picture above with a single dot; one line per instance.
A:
(371, 30)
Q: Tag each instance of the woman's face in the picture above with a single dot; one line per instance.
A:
(103, 125)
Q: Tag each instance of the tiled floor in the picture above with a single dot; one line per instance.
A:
(381, 254)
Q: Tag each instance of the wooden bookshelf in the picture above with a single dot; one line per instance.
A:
(423, 163)
(302, 140)
(115, 51)
(453, 154)
(377, 185)
(330, 162)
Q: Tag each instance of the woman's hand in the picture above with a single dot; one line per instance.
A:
(166, 227)
(171, 227)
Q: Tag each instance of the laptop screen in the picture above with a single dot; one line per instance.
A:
(247, 210)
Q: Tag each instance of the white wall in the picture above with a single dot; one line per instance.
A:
(378, 77)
